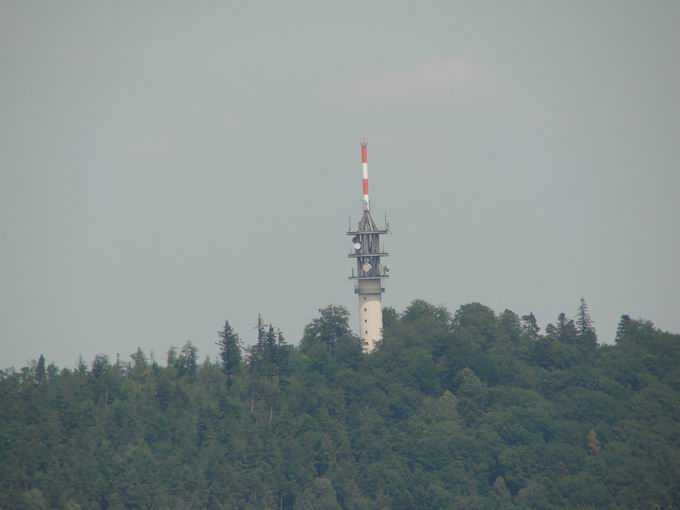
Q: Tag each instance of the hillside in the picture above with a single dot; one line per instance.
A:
(471, 410)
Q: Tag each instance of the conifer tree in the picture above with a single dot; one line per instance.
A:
(139, 360)
(260, 346)
(100, 365)
(584, 325)
(269, 354)
(40, 373)
(256, 352)
(52, 371)
(171, 357)
(257, 360)
(281, 354)
(565, 329)
(551, 331)
(270, 344)
(81, 367)
(138, 368)
(230, 351)
(623, 328)
(187, 361)
(529, 325)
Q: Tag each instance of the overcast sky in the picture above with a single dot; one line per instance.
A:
(167, 165)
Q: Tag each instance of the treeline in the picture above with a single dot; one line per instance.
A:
(471, 410)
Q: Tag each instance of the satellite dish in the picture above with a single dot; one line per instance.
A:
(357, 246)
(387, 269)
(366, 267)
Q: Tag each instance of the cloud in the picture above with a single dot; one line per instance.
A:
(434, 78)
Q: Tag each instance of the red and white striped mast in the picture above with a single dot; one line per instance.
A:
(364, 164)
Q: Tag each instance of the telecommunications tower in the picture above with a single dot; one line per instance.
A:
(367, 251)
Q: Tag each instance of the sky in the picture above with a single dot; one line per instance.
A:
(165, 166)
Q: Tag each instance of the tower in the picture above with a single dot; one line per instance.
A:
(367, 250)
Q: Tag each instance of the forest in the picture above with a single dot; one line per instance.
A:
(466, 410)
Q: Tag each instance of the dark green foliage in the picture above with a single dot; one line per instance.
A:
(333, 323)
(100, 365)
(565, 329)
(509, 326)
(260, 355)
(40, 372)
(281, 354)
(187, 360)
(584, 327)
(624, 327)
(584, 323)
(269, 356)
(477, 320)
(139, 359)
(467, 410)
(229, 351)
(529, 325)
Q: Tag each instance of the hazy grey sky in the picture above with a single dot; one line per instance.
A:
(167, 165)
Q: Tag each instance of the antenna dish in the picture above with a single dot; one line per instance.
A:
(357, 246)
(366, 267)
(386, 268)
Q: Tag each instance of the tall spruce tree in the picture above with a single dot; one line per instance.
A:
(230, 351)
(40, 373)
(171, 357)
(584, 326)
(623, 327)
(256, 353)
(281, 354)
(270, 354)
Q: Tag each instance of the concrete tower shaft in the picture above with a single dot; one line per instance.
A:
(367, 250)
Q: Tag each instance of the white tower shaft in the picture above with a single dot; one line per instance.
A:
(370, 312)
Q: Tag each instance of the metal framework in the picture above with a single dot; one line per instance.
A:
(367, 249)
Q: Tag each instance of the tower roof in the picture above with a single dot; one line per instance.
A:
(366, 224)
